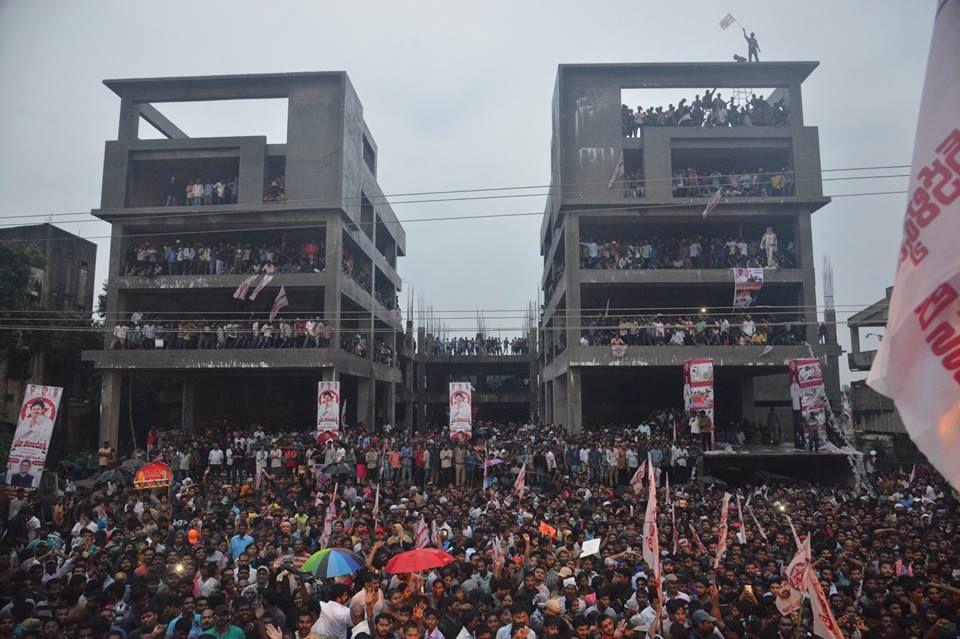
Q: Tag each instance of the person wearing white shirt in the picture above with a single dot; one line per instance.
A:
(747, 327)
(334, 620)
(215, 460)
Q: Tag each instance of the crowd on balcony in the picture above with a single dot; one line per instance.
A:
(201, 192)
(177, 257)
(739, 183)
(148, 332)
(691, 252)
(350, 268)
(356, 344)
(479, 345)
(693, 330)
(710, 110)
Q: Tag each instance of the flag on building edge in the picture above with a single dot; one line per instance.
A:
(241, 292)
(266, 279)
(918, 362)
(279, 303)
(617, 172)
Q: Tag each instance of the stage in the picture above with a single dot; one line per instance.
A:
(746, 463)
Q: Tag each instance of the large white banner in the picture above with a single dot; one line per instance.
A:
(461, 410)
(328, 410)
(918, 363)
(28, 452)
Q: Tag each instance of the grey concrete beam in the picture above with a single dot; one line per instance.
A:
(778, 356)
(160, 122)
(232, 281)
(671, 277)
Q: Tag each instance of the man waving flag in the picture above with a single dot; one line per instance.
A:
(918, 362)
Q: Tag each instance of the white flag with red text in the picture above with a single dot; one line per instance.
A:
(824, 623)
(280, 303)
(636, 482)
(521, 483)
(918, 362)
(651, 533)
(241, 292)
(423, 534)
(722, 531)
(266, 279)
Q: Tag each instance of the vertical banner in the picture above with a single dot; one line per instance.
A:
(28, 452)
(698, 390)
(747, 282)
(461, 415)
(808, 377)
(328, 410)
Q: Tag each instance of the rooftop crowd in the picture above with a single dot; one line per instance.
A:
(710, 110)
(691, 252)
(179, 257)
(479, 345)
(218, 553)
(693, 330)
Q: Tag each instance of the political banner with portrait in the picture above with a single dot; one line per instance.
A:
(698, 387)
(28, 451)
(806, 381)
(461, 415)
(747, 282)
(328, 410)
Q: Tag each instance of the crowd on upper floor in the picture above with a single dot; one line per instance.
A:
(701, 329)
(710, 110)
(479, 345)
(182, 257)
(201, 192)
(692, 252)
(739, 183)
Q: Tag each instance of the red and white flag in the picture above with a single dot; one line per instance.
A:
(711, 203)
(727, 21)
(617, 172)
(918, 362)
(241, 292)
(521, 483)
(279, 303)
(796, 576)
(329, 518)
(376, 509)
(422, 534)
(636, 482)
(266, 279)
(742, 533)
(824, 623)
(651, 533)
(722, 534)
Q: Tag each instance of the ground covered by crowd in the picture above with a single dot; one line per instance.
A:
(219, 553)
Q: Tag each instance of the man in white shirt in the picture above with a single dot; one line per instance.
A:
(747, 327)
(334, 619)
(215, 460)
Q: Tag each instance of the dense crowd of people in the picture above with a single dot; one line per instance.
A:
(701, 329)
(202, 192)
(739, 183)
(178, 257)
(692, 252)
(479, 345)
(276, 189)
(148, 332)
(710, 110)
(218, 553)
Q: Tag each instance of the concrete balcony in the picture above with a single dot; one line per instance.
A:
(664, 277)
(273, 359)
(861, 360)
(475, 359)
(177, 282)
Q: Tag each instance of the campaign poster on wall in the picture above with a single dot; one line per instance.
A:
(328, 410)
(28, 451)
(746, 283)
(461, 415)
(698, 387)
(806, 377)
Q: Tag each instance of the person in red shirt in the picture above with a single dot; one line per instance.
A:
(290, 460)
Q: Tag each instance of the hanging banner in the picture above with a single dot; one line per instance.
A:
(28, 451)
(328, 410)
(698, 390)
(746, 283)
(461, 415)
(806, 377)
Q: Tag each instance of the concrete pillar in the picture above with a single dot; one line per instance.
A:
(111, 389)
(560, 401)
(251, 175)
(571, 318)
(333, 241)
(365, 395)
(391, 407)
(575, 400)
(129, 120)
(188, 404)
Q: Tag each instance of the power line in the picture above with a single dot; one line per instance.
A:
(453, 218)
(573, 187)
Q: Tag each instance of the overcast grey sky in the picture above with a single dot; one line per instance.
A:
(457, 95)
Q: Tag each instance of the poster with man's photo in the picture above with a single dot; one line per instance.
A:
(747, 282)
(328, 410)
(806, 377)
(28, 451)
(461, 410)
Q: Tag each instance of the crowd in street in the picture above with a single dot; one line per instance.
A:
(472, 346)
(758, 182)
(692, 252)
(701, 329)
(182, 257)
(709, 110)
(218, 554)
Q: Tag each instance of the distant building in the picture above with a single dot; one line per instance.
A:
(64, 283)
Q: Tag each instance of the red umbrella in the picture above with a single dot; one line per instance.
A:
(418, 560)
